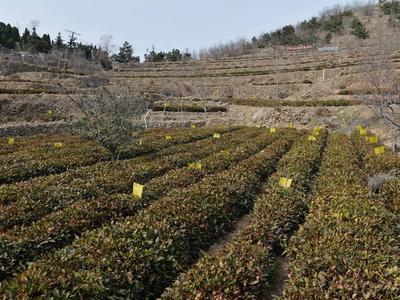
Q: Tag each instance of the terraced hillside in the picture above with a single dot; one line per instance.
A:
(248, 213)
(245, 90)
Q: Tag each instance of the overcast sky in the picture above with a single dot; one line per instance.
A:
(165, 23)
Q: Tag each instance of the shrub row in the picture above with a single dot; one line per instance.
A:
(382, 169)
(60, 228)
(348, 246)
(390, 192)
(31, 142)
(139, 257)
(22, 165)
(12, 192)
(28, 143)
(188, 107)
(239, 270)
(300, 103)
(32, 91)
(384, 163)
(26, 202)
(46, 160)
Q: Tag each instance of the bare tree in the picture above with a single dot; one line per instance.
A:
(105, 49)
(110, 119)
(34, 24)
(381, 90)
(106, 43)
(229, 49)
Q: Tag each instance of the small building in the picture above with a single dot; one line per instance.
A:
(328, 49)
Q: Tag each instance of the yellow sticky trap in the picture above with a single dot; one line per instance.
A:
(285, 182)
(216, 136)
(373, 139)
(311, 138)
(363, 131)
(58, 145)
(225, 152)
(168, 137)
(317, 128)
(290, 125)
(272, 130)
(193, 126)
(137, 190)
(196, 166)
(11, 141)
(379, 150)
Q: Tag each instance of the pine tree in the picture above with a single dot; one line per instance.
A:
(45, 44)
(174, 55)
(34, 42)
(59, 42)
(328, 37)
(359, 30)
(125, 54)
(9, 36)
(25, 39)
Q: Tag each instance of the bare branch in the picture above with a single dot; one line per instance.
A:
(109, 118)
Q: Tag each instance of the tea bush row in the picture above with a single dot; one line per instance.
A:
(48, 160)
(348, 246)
(61, 227)
(139, 257)
(25, 202)
(240, 269)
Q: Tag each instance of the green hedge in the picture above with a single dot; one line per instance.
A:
(188, 107)
(25, 202)
(60, 228)
(22, 165)
(299, 103)
(239, 270)
(390, 192)
(46, 160)
(387, 162)
(27, 143)
(32, 91)
(348, 246)
(384, 164)
(137, 258)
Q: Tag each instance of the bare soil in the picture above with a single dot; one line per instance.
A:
(278, 278)
(229, 237)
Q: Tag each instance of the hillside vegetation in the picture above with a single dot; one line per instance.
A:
(31, 90)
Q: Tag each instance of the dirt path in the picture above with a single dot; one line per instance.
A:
(278, 278)
(229, 236)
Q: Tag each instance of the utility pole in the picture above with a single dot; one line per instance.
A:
(153, 54)
(72, 39)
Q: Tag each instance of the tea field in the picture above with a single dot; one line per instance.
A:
(75, 225)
